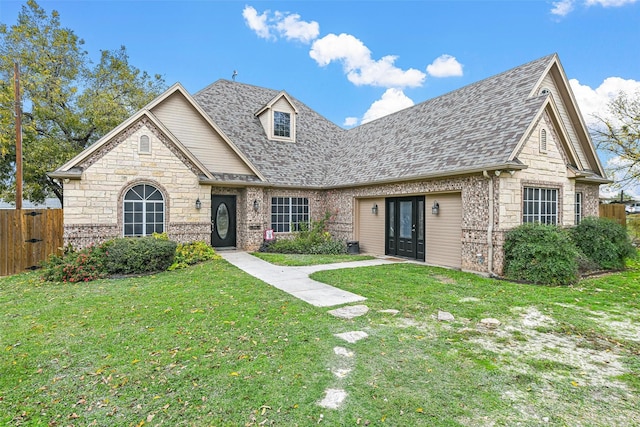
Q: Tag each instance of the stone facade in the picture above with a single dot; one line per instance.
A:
(93, 205)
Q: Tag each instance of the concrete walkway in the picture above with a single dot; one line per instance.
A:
(296, 281)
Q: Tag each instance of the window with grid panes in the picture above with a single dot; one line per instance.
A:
(578, 208)
(287, 213)
(281, 124)
(540, 205)
(143, 211)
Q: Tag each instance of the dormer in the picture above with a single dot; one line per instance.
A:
(278, 118)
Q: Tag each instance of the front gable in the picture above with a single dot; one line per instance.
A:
(200, 136)
(555, 85)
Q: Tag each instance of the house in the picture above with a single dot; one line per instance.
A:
(441, 181)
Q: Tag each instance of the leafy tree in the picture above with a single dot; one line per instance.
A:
(619, 135)
(69, 103)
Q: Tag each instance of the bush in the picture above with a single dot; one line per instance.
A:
(312, 239)
(81, 266)
(138, 255)
(604, 242)
(192, 253)
(543, 254)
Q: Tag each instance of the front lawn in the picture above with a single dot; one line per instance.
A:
(209, 345)
(298, 260)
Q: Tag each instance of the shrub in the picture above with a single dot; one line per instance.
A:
(81, 266)
(543, 254)
(604, 242)
(312, 238)
(138, 255)
(192, 253)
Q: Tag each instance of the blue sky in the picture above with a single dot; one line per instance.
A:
(353, 61)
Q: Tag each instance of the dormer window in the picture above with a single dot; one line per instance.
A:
(278, 118)
(281, 124)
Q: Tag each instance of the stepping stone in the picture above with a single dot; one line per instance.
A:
(490, 323)
(349, 312)
(444, 316)
(391, 311)
(341, 351)
(333, 398)
(353, 336)
(341, 373)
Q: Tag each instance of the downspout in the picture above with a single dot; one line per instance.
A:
(490, 226)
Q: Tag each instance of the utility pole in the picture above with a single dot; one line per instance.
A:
(18, 106)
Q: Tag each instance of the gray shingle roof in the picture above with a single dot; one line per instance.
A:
(473, 127)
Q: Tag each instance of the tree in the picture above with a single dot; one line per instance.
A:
(619, 134)
(69, 103)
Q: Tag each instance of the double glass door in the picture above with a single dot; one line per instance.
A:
(405, 227)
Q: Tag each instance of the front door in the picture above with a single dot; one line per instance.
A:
(405, 227)
(223, 221)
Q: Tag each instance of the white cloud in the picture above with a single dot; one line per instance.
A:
(350, 121)
(357, 63)
(392, 100)
(292, 28)
(594, 102)
(445, 66)
(609, 3)
(287, 25)
(258, 23)
(562, 8)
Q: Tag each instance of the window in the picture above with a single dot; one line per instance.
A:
(578, 208)
(143, 211)
(540, 205)
(145, 144)
(281, 124)
(287, 213)
(543, 140)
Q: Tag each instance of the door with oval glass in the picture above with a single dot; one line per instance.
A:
(223, 221)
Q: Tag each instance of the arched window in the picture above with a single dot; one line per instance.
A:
(143, 211)
(543, 140)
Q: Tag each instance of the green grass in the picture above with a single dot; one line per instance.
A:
(209, 345)
(298, 260)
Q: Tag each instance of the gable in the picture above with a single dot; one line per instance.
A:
(278, 118)
(197, 135)
(555, 82)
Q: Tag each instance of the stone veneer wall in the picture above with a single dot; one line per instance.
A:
(475, 212)
(93, 204)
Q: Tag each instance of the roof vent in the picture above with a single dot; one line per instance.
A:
(545, 91)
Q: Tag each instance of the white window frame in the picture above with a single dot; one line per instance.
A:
(143, 209)
(288, 213)
(540, 204)
(578, 208)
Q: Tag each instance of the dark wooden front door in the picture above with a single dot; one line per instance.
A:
(223, 221)
(405, 227)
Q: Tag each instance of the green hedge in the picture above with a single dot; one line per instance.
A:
(605, 242)
(539, 253)
(138, 255)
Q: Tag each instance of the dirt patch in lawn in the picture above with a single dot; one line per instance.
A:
(555, 363)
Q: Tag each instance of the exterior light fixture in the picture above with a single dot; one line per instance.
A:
(435, 209)
(256, 205)
(374, 209)
(198, 203)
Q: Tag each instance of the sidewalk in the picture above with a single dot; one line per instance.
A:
(296, 281)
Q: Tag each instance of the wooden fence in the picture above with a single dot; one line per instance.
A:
(27, 237)
(614, 211)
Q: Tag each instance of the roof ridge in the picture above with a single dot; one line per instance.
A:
(545, 58)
